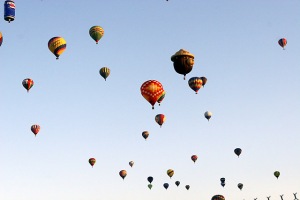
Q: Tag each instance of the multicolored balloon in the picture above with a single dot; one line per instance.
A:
(170, 172)
(1, 39)
(194, 158)
(161, 98)
(238, 151)
(195, 83)
(152, 91)
(57, 45)
(218, 197)
(160, 119)
(282, 42)
(9, 10)
(96, 32)
(123, 174)
(240, 186)
(131, 163)
(35, 129)
(104, 72)
(207, 115)
(145, 134)
(92, 161)
(166, 185)
(277, 174)
(27, 83)
(177, 183)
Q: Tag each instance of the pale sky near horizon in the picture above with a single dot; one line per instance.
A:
(252, 90)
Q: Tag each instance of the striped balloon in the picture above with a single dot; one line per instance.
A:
(161, 98)
(195, 83)
(152, 90)
(170, 172)
(27, 83)
(57, 45)
(160, 119)
(104, 72)
(35, 129)
(282, 42)
(96, 32)
(1, 39)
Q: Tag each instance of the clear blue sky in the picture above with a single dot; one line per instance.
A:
(252, 91)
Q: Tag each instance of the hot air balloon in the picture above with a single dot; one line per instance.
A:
(166, 185)
(96, 32)
(152, 91)
(92, 161)
(204, 80)
(123, 174)
(145, 134)
(170, 172)
(160, 119)
(1, 39)
(150, 179)
(27, 83)
(195, 83)
(131, 163)
(150, 186)
(104, 72)
(177, 183)
(240, 186)
(183, 62)
(9, 10)
(57, 45)
(222, 181)
(161, 98)
(194, 158)
(238, 151)
(35, 129)
(207, 115)
(277, 174)
(187, 187)
(282, 42)
(218, 197)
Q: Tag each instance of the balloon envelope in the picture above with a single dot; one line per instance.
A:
(104, 72)
(96, 32)
(282, 42)
(218, 197)
(195, 83)
(194, 158)
(161, 98)
(150, 179)
(152, 90)
(150, 186)
(145, 134)
(204, 80)
(27, 83)
(207, 115)
(35, 129)
(92, 161)
(123, 174)
(57, 45)
(170, 172)
(1, 39)
(277, 174)
(187, 187)
(166, 185)
(177, 183)
(238, 151)
(240, 186)
(131, 163)
(160, 119)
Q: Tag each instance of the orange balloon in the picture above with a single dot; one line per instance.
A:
(152, 91)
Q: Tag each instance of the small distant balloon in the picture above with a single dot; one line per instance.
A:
(150, 186)
(96, 32)
(160, 119)
(104, 72)
(131, 163)
(195, 83)
(170, 172)
(145, 134)
(177, 183)
(187, 187)
(194, 158)
(57, 45)
(35, 129)
(27, 83)
(222, 181)
(208, 115)
(92, 161)
(282, 42)
(166, 185)
(277, 174)
(204, 80)
(123, 174)
(150, 179)
(238, 151)
(161, 98)
(240, 186)
(9, 10)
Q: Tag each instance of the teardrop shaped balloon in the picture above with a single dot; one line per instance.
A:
(27, 83)
(151, 90)
(1, 39)
(194, 158)
(57, 45)
(35, 129)
(131, 163)
(123, 174)
(277, 174)
(92, 161)
(238, 151)
(150, 179)
(183, 62)
(207, 115)
(187, 187)
(170, 172)
(150, 186)
(160, 119)
(166, 185)
(145, 134)
(204, 80)
(161, 98)
(96, 32)
(177, 183)
(218, 197)
(282, 42)
(240, 186)
(104, 72)
(195, 83)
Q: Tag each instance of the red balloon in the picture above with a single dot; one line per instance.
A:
(35, 129)
(152, 90)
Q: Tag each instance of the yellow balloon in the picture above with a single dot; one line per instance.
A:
(57, 45)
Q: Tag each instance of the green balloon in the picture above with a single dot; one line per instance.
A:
(277, 174)
(150, 186)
